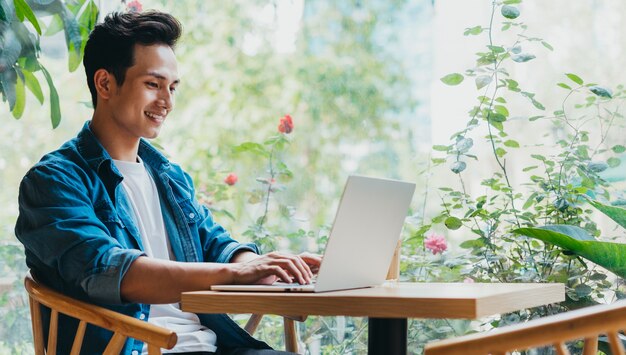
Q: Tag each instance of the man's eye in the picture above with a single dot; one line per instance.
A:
(152, 84)
(172, 90)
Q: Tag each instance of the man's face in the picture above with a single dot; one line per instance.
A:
(140, 105)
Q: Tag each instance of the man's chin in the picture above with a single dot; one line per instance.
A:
(152, 135)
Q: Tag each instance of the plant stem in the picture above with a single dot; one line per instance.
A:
(269, 188)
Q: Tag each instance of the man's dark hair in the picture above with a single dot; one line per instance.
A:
(111, 44)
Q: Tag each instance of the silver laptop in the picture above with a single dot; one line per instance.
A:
(362, 240)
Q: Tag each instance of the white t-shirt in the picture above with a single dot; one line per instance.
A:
(144, 199)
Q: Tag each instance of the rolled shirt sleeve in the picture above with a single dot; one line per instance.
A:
(64, 238)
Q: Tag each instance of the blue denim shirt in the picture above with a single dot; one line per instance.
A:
(79, 236)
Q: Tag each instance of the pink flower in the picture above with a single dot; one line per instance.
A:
(231, 179)
(436, 243)
(468, 280)
(285, 125)
(134, 6)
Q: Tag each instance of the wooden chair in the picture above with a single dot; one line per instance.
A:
(121, 325)
(587, 323)
(289, 325)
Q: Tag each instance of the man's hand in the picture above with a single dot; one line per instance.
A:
(268, 268)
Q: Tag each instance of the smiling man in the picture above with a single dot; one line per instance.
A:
(108, 219)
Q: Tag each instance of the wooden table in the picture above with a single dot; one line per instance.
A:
(387, 306)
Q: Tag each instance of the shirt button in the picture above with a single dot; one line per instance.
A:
(135, 352)
(142, 316)
(192, 215)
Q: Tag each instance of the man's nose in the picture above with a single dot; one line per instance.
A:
(166, 99)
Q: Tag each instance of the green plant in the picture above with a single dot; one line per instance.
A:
(553, 182)
(608, 254)
(20, 50)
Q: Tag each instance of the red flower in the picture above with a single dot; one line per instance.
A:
(231, 179)
(134, 6)
(436, 243)
(285, 125)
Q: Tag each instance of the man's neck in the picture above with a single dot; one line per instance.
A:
(118, 144)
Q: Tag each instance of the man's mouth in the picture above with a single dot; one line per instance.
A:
(155, 117)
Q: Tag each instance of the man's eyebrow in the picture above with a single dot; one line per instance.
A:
(161, 77)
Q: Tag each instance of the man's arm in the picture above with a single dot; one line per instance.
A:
(150, 280)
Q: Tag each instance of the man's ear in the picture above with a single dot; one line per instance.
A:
(104, 82)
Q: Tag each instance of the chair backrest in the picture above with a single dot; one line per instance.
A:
(121, 325)
(587, 323)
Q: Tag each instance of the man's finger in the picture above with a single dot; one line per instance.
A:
(280, 273)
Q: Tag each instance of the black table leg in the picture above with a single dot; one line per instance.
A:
(386, 336)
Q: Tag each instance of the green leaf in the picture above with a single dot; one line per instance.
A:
(20, 98)
(617, 214)
(602, 92)
(453, 223)
(583, 290)
(32, 84)
(529, 168)
(501, 110)
(452, 79)
(10, 49)
(8, 80)
(496, 49)
(55, 26)
(523, 57)
(618, 149)
(512, 2)
(564, 86)
(597, 166)
(463, 145)
(575, 78)
(22, 9)
(458, 167)
(482, 81)
(611, 256)
(473, 244)
(476, 30)
(500, 152)
(252, 147)
(613, 162)
(530, 200)
(511, 143)
(55, 107)
(496, 117)
(88, 18)
(538, 157)
(440, 148)
(510, 12)
(547, 45)
(3, 12)
(73, 37)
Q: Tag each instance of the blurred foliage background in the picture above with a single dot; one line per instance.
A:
(361, 81)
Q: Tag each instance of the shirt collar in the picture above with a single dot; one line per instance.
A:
(97, 157)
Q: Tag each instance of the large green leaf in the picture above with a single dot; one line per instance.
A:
(22, 9)
(55, 107)
(452, 79)
(73, 38)
(617, 214)
(611, 256)
(20, 98)
(8, 80)
(10, 49)
(4, 13)
(33, 84)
